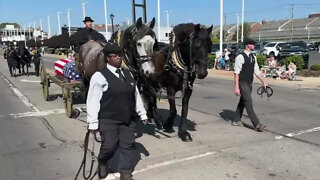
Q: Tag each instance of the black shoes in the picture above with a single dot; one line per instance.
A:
(260, 127)
(236, 123)
(103, 170)
(126, 177)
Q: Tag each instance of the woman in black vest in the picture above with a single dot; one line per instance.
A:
(245, 66)
(113, 105)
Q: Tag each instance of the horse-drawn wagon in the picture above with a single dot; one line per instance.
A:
(73, 92)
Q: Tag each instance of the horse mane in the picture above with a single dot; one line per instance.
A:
(126, 39)
(183, 31)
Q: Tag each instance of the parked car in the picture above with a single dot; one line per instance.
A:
(311, 47)
(317, 45)
(295, 48)
(258, 48)
(270, 49)
(216, 47)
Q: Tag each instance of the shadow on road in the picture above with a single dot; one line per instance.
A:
(151, 129)
(227, 115)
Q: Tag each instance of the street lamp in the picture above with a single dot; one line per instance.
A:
(112, 16)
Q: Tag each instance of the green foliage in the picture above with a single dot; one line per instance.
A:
(315, 67)
(246, 31)
(3, 25)
(261, 59)
(210, 61)
(215, 40)
(297, 60)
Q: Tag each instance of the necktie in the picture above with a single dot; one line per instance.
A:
(120, 75)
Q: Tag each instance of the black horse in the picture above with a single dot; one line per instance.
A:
(24, 59)
(176, 67)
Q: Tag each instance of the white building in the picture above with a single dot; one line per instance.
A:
(165, 33)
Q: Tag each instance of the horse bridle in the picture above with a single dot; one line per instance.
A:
(139, 59)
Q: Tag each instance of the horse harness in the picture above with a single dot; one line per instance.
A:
(176, 63)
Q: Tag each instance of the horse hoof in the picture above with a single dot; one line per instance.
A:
(185, 136)
(171, 130)
(167, 128)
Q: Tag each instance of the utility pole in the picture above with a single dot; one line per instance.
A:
(41, 29)
(221, 25)
(237, 28)
(69, 23)
(159, 20)
(25, 37)
(59, 25)
(168, 20)
(224, 22)
(242, 21)
(34, 28)
(84, 9)
(29, 31)
(49, 30)
(292, 6)
(106, 19)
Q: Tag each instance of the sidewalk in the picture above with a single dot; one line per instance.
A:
(301, 82)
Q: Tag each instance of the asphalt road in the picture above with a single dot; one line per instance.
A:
(47, 144)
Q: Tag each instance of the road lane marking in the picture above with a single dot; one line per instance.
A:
(38, 113)
(33, 81)
(166, 163)
(22, 97)
(43, 113)
(299, 133)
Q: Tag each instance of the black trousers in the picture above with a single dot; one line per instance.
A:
(246, 102)
(37, 67)
(114, 136)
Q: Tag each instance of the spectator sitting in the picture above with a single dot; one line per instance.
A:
(282, 70)
(291, 71)
(227, 59)
(216, 60)
(272, 62)
(270, 71)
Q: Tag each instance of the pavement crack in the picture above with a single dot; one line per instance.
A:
(52, 131)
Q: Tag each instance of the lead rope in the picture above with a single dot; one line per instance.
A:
(90, 176)
(268, 90)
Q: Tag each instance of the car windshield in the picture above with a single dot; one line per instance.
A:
(270, 45)
(294, 46)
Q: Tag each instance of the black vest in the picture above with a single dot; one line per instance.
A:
(118, 103)
(247, 70)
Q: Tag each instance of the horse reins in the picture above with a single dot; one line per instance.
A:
(262, 90)
(91, 175)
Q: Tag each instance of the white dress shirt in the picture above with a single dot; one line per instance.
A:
(240, 61)
(99, 85)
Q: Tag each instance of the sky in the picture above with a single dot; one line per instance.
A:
(205, 12)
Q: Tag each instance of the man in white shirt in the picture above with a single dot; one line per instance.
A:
(113, 104)
(245, 66)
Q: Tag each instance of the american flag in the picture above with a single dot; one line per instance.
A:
(58, 66)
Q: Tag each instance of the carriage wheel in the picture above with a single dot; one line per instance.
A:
(65, 92)
(68, 105)
(45, 89)
(43, 75)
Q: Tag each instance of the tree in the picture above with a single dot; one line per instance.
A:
(3, 25)
(246, 32)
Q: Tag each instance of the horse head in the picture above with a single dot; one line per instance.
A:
(138, 43)
(200, 46)
(194, 44)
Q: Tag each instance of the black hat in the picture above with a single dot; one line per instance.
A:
(111, 49)
(87, 19)
(247, 41)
